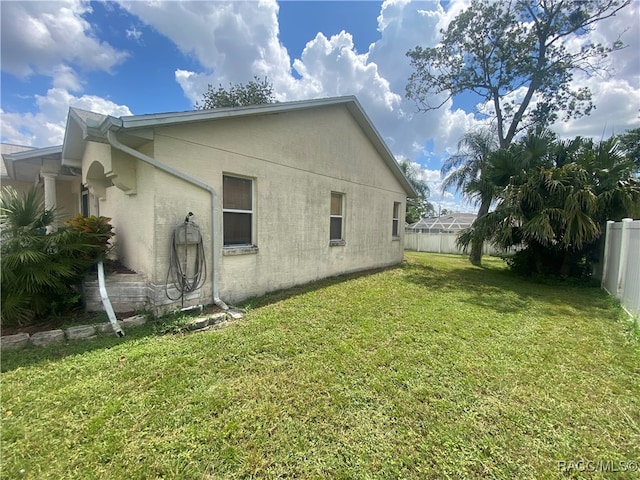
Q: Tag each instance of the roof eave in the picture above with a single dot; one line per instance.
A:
(12, 160)
(76, 136)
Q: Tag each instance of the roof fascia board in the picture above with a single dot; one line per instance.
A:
(72, 138)
(136, 122)
(10, 159)
(374, 136)
(161, 119)
(33, 153)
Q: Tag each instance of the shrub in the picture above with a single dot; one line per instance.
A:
(96, 230)
(40, 273)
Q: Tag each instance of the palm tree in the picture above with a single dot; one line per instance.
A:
(558, 198)
(420, 206)
(23, 220)
(39, 272)
(466, 172)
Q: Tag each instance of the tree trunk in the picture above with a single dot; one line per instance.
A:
(475, 256)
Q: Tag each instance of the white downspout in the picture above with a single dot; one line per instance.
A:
(194, 181)
(106, 302)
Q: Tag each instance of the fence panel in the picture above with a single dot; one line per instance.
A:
(621, 276)
(631, 295)
(441, 243)
(612, 257)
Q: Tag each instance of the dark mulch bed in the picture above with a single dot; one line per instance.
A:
(114, 266)
(75, 317)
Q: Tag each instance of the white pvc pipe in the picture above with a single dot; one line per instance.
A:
(194, 181)
(107, 303)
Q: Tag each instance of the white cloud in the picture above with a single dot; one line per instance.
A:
(617, 109)
(133, 33)
(327, 66)
(39, 37)
(234, 41)
(625, 63)
(65, 77)
(616, 96)
(46, 127)
(52, 39)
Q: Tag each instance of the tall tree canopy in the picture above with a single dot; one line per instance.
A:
(515, 55)
(630, 144)
(256, 92)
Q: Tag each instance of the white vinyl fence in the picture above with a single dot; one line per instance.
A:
(621, 274)
(441, 243)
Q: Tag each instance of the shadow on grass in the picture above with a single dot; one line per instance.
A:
(485, 287)
(32, 355)
(292, 292)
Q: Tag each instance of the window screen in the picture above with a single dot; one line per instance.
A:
(237, 210)
(336, 232)
(396, 219)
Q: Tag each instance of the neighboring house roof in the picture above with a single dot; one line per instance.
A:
(7, 149)
(444, 223)
(85, 126)
(25, 163)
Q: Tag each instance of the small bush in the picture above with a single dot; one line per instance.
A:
(41, 273)
(529, 262)
(97, 230)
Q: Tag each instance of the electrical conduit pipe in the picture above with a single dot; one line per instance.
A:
(107, 303)
(115, 143)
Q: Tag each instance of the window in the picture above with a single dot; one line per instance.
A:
(237, 210)
(336, 222)
(88, 202)
(84, 208)
(396, 219)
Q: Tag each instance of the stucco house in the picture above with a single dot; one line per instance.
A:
(282, 194)
(23, 167)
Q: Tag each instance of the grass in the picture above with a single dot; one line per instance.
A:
(433, 369)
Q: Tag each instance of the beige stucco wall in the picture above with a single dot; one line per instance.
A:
(67, 195)
(132, 215)
(294, 173)
(20, 187)
(296, 160)
(68, 198)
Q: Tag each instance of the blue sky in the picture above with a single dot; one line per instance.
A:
(133, 57)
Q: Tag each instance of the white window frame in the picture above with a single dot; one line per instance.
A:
(341, 216)
(251, 212)
(395, 222)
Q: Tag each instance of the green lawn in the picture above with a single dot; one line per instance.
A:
(433, 369)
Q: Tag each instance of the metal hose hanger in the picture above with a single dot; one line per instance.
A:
(187, 266)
